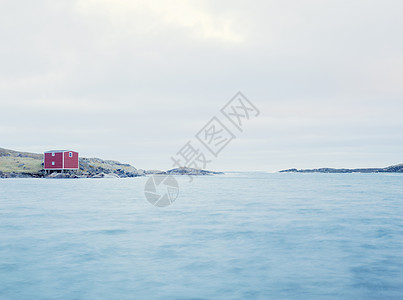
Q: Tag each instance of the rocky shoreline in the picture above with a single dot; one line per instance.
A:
(14, 164)
(390, 169)
(109, 174)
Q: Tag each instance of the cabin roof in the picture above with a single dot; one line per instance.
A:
(57, 151)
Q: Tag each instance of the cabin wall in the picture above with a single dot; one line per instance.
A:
(57, 159)
(70, 162)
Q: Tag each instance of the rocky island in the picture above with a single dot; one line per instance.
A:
(15, 164)
(391, 169)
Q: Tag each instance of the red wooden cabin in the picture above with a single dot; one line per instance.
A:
(60, 160)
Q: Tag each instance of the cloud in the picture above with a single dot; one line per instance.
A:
(151, 17)
(135, 80)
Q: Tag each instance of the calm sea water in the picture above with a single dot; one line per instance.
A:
(236, 236)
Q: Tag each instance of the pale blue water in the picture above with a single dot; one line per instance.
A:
(237, 236)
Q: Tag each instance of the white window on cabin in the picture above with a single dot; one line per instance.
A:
(53, 154)
(53, 163)
(70, 154)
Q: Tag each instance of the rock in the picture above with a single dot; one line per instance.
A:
(105, 175)
(100, 175)
(191, 171)
(154, 172)
(17, 175)
(97, 166)
(111, 175)
(289, 171)
(58, 175)
(390, 169)
(141, 172)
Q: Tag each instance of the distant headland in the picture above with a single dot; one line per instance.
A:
(391, 169)
(15, 164)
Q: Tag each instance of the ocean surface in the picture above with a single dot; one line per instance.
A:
(233, 236)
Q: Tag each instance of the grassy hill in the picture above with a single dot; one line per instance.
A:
(20, 162)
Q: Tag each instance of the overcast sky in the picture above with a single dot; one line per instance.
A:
(135, 80)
